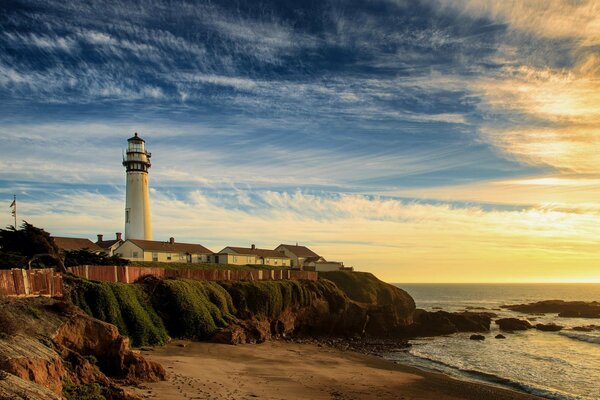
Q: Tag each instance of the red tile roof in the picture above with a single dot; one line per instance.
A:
(152, 245)
(257, 252)
(70, 244)
(299, 251)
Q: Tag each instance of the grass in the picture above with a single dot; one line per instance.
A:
(180, 265)
(91, 391)
(126, 306)
(363, 287)
(192, 309)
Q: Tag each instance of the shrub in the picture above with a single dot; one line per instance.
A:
(124, 305)
(91, 391)
(187, 307)
(9, 325)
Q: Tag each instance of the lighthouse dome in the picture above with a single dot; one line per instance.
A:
(135, 138)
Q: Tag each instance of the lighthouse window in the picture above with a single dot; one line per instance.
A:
(127, 216)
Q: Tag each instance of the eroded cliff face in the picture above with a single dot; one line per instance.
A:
(54, 345)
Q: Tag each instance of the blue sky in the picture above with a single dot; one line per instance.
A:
(288, 111)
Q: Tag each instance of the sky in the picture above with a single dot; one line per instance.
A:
(421, 140)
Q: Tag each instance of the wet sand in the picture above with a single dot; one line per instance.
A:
(283, 370)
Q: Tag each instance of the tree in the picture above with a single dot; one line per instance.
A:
(29, 244)
(86, 257)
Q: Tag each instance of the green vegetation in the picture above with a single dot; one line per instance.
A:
(192, 309)
(28, 246)
(91, 391)
(267, 298)
(363, 287)
(86, 257)
(123, 305)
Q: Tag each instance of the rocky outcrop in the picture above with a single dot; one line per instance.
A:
(549, 327)
(445, 323)
(57, 346)
(513, 324)
(88, 336)
(477, 337)
(573, 309)
(500, 336)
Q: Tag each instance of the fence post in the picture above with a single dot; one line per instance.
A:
(26, 285)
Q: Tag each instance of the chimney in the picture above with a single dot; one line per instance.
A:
(100, 237)
(253, 247)
(119, 234)
(171, 240)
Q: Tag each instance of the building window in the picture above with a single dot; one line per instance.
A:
(135, 254)
(249, 260)
(168, 256)
(234, 258)
(154, 256)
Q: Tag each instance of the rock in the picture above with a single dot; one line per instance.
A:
(477, 337)
(513, 324)
(549, 327)
(500, 336)
(87, 336)
(444, 323)
(28, 359)
(181, 344)
(588, 328)
(567, 309)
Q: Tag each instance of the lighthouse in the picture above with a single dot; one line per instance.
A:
(138, 224)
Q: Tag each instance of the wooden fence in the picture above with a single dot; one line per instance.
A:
(33, 282)
(127, 274)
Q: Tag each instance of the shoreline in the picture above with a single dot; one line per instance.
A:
(288, 370)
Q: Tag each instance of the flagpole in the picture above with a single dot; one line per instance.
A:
(14, 212)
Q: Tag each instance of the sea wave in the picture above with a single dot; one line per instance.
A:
(582, 337)
(491, 378)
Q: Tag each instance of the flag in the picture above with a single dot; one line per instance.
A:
(14, 207)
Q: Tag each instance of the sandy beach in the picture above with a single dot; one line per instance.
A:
(283, 370)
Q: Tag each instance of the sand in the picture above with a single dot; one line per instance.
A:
(283, 370)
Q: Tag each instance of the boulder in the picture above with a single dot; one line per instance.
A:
(444, 323)
(549, 327)
(477, 337)
(513, 324)
(567, 309)
(500, 336)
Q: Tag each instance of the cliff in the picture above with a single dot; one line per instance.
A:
(50, 350)
(341, 303)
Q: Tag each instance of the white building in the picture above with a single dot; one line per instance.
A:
(250, 256)
(138, 223)
(109, 246)
(171, 251)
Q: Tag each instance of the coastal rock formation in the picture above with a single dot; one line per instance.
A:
(477, 337)
(549, 327)
(500, 336)
(445, 323)
(574, 309)
(57, 347)
(513, 324)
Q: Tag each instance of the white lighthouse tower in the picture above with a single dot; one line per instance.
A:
(138, 224)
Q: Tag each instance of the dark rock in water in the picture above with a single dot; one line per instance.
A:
(436, 308)
(477, 337)
(445, 323)
(588, 328)
(567, 309)
(500, 336)
(513, 324)
(549, 327)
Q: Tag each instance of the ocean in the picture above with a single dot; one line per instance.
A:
(555, 365)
